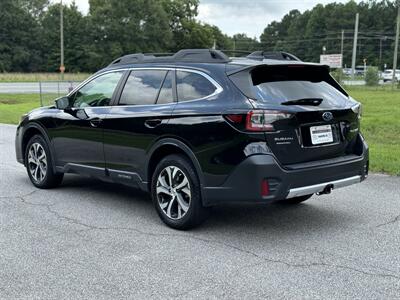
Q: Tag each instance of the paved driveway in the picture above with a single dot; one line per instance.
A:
(88, 239)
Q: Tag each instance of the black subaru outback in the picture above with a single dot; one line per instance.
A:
(197, 129)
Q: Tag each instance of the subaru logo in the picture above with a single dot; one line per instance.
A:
(327, 116)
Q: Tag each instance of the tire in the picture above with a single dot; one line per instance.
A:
(295, 200)
(178, 201)
(39, 164)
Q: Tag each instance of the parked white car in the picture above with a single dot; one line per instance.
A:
(387, 75)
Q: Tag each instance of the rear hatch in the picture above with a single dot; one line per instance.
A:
(312, 117)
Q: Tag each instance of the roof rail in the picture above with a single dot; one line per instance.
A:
(280, 55)
(186, 55)
(241, 52)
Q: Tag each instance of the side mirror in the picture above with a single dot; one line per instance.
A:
(62, 103)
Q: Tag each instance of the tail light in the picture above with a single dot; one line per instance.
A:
(236, 119)
(257, 120)
(262, 120)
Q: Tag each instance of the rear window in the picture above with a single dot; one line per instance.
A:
(277, 84)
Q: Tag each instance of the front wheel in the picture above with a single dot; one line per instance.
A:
(175, 190)
(38, 162)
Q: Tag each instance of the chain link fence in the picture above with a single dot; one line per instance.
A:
(50, 90)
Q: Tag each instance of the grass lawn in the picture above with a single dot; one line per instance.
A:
(381, 126)
(34, 77)
(380, 123)
(12, 106)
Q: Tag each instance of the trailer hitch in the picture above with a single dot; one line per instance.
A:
(327, 190)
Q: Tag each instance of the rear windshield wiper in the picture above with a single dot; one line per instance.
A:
(304, 101)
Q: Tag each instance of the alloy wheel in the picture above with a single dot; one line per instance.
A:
(173, 192)
(37, 162)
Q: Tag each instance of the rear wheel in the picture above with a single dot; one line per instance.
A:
(175, 190)
(38, 162)
(296, 200)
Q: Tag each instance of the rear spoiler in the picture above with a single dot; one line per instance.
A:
(277, 63)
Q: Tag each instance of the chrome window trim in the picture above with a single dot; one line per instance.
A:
(218, 87)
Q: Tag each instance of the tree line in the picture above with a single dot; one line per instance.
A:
(306, 34)
(30, 36)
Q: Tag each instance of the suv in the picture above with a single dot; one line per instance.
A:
(387, 75)
(198, 129)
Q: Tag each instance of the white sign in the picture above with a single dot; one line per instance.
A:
(332, 60)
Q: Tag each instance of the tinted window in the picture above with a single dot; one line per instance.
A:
(142, 87)
(97, 92)
(277, 84)
(166, 95)
(192, 86)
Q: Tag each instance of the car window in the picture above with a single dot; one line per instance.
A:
(283, 83)
(142, 87)
(166, 95)
(97, 92)
(192, 86)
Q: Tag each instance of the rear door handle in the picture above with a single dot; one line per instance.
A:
(152, 123)
(95, 122)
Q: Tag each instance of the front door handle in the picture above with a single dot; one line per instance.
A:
(95, 122)
(152, 123)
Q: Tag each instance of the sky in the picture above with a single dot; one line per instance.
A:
(241, 16)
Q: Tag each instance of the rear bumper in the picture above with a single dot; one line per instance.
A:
(244, 184)
(320, 187)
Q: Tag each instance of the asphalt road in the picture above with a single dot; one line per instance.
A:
(88, 239)
(60, 88)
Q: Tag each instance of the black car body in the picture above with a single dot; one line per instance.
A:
(253, 129)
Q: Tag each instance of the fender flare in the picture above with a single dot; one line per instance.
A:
(181, 145)
(45, 135)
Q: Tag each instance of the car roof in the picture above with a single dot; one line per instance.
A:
(204, 59)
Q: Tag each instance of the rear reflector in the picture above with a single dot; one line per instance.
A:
(264, 188)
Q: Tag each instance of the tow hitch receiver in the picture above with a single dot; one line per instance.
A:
(327, 190)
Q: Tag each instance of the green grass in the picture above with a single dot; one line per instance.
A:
(34, 77)
(12, 106)
(380, 126)
(380, 123)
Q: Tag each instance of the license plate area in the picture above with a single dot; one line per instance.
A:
(321, 134)
(308, 140)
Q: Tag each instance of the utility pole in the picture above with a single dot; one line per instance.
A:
(353, 60)
(62, 67)
(341, 47)
(341, 53)
(382, 38)
(396, 47)
(380, 53)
